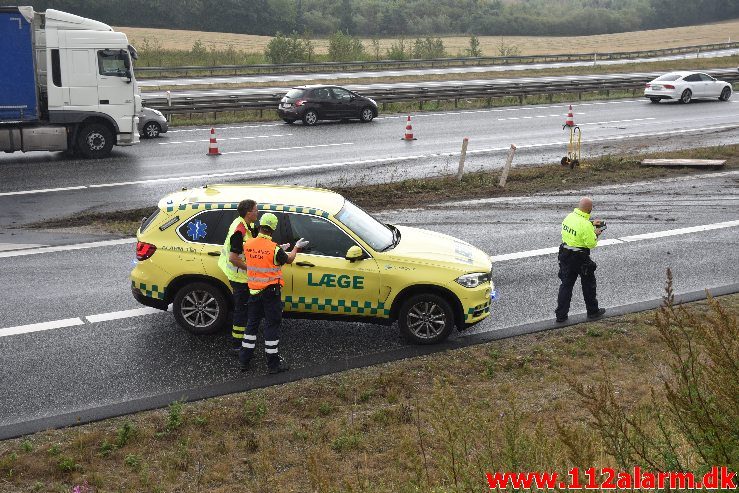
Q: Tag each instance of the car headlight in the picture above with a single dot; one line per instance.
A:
(372, 101)
(158, 113)
(473, 280)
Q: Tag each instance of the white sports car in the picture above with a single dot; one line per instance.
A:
(685, 86)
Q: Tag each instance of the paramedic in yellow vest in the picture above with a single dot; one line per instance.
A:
(232, 264)
(264, 261)
(579, 236)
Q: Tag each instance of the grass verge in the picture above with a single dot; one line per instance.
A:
(419, 192)
(429, 424)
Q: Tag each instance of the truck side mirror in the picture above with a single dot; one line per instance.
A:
(129, 74)
(354, 253)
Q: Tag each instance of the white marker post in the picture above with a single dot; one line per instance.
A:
(507, 166)
(169, 103)
(462, 157)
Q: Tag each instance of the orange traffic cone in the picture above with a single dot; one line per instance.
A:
(408, 130)
(213, 148)
(570, 122)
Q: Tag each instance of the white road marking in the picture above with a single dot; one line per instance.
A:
(367, 161)
(65, 248)
(681, 231)
(54, 324)
(105, 317)
(289, 148)
(248, 137)
(139, 312)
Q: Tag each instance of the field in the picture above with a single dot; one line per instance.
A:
(641, 40)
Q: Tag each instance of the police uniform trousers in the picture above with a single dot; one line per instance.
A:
(265, 305)
(571, 265)
(240, 313)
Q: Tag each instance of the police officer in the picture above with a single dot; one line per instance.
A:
(264, 261)
(579, 236)
(232, 264)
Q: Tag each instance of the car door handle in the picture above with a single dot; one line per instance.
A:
(304, 264)
(214, 254)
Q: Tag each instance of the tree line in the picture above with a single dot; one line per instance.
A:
(401, 17)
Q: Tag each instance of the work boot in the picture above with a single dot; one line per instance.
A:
(596, 315)
(279, 367)
(561, 319)
(244, 364)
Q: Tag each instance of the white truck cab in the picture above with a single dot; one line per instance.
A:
(71, 86)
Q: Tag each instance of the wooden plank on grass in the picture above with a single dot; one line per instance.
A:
(684, 162)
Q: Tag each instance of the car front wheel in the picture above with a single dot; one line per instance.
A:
(725, 94)
(366, 115)
(151, 130)
(686, 96)
(425, 319)
(200, 308)
(310, 117)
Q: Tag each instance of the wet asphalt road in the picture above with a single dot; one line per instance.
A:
(70, 370)
(40, 185)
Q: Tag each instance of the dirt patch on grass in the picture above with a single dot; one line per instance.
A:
(433, 423)
(420, 192)
(720, 32)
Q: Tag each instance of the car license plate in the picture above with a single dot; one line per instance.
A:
(656, 87)
(286, 105)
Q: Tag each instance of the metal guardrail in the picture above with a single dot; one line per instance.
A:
(150, 72)
(253, 99)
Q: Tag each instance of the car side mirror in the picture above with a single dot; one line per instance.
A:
(354, 253)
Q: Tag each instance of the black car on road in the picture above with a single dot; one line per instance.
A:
(313, 103)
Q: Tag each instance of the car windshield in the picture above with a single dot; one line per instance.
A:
(294, 93)
(370, 230)
(668, 77)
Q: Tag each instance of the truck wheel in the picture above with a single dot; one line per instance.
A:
(200, 308)
(425, 319)
(95, 141)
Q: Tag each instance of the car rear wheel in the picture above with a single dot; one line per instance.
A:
(654, 100)
(686, 96)
(366, 115)
(289, 121)
(425, 319)
(151, 130)
(725, 94)
(310, 117)
(200, 308)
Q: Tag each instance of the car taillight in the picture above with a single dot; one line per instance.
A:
(300, 102)
(669, 86)
(649, 85)
(144, 250)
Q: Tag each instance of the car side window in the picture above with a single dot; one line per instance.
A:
(325, 237)
(706, 78)
(342, 94)
(207, 227)
(693, 78)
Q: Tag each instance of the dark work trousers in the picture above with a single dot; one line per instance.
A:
(571, 265)
(241, 314)
(266, 305)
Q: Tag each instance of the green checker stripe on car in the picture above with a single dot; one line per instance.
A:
(481, 309)
(207, 206)
(151, 291)
(337, 306)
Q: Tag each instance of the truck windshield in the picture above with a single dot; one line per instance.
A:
(370, 230)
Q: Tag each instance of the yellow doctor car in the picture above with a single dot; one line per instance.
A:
(355, 268)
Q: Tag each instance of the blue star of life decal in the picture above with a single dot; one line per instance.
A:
(196, 230)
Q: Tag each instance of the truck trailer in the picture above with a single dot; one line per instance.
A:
(66, 84)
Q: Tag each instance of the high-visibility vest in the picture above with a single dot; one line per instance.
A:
(260, 262)
(578, 231)
(232, 272)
